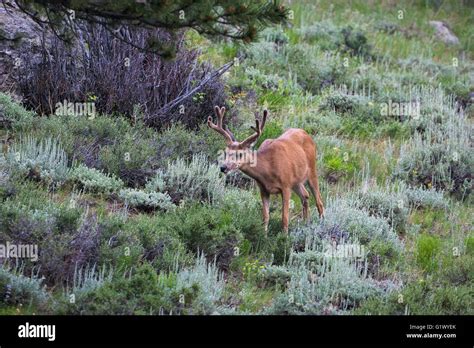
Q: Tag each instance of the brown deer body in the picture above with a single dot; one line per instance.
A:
(282, 165)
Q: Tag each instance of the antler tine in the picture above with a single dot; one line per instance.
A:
(220, 117)
(218, 128)
(230, 133)
(264, 118)
(257, 129)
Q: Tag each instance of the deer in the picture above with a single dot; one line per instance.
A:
(280, 165)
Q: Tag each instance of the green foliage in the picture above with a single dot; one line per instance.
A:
(329, 288)
(422, 298)
(338, 163)
(244, 208)
(208, 279)
(138, 293)
(355, 42)
(350, 105)
(389, 204)
(421, 198)
(252, 270)
(13, 115)
(311, 68)
(207, 229)
(177, 142)
(40, 160)
(439, 158)
(131, 156)
(272, 130)
(470, 245)
(65, 238)
(194, 290)
(17, 289)
(93, 180)
(343, 221)
(330, 37)
(146, 200)
(243, 19)
(194, 180)
(148, 239)
(427, 248)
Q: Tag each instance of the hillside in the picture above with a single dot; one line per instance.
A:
(131, 214)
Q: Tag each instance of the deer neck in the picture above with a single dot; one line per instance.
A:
(257, 170)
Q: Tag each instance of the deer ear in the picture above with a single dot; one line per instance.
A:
(265, 113)
(223, 109)
(216, 109)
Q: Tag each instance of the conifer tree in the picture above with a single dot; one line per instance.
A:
(235, 19)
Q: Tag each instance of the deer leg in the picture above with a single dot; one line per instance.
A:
(300, 190)
(285, 195)
(265, 208)
(314, 186)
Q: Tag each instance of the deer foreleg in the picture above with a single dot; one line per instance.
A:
(265, 208)
(285, 195)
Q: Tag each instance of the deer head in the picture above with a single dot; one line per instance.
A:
(236, 154)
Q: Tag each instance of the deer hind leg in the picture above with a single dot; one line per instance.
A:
(314, 186)
(285, 195)
(265, 208)
(300, 190)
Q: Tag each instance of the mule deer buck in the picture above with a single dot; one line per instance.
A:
(281, 165)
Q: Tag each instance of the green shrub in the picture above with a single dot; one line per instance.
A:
(330, 37)
(350, 105)
(195, 290)
(324, 33)
(93, 180)
(276, 35)
(82, 138)
(244, 207)
(470, 245)
(332, 288)
(146, 200)
(194, 180)
(388, 203)
(126, 242)
(40, 160)
(13, 115)
(201, 228)
(343, 221)
(421, 198)
(138, 293)
(355, 42)
(178, 142)
(208, 279)
(17, 289)
(421, 298)
(458, 270)
(312, 68)
(337, 162)
(427, 247)
(65, 238)
(132, 157)
(439, 158)
(158, 244)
